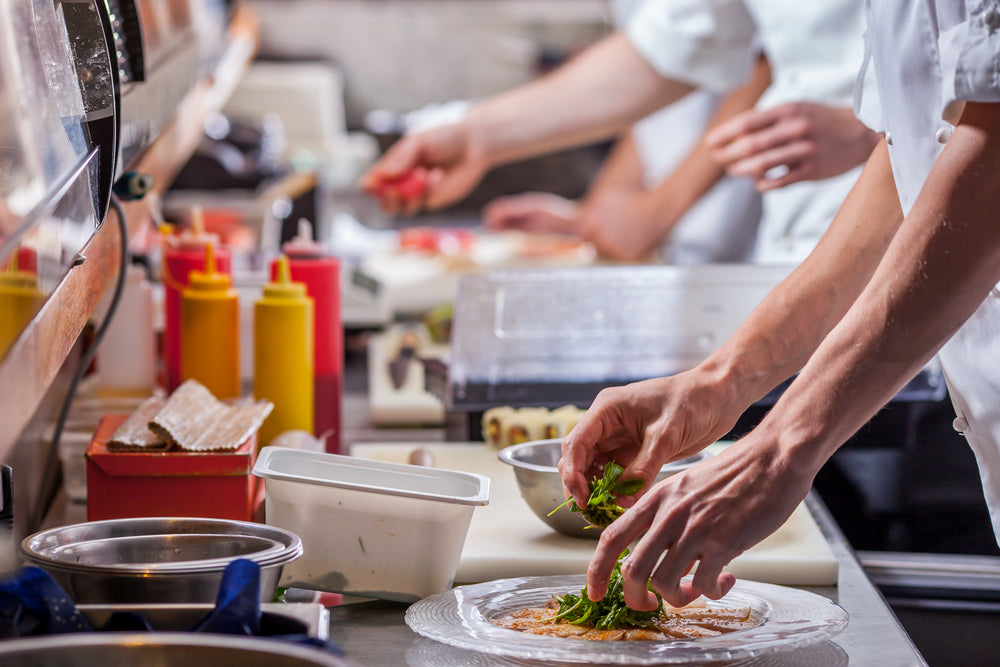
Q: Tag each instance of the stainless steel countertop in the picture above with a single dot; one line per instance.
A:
(374, 632)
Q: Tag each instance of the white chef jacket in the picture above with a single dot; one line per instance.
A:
(815, 48)
(929, 57)
(722, 225)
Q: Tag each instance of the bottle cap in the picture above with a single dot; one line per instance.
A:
(282, 286)
(195, 237)
(14, 278)
(302, 244)
(210, 279)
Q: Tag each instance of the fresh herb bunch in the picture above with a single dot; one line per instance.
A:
(609, 613)
(601, 507)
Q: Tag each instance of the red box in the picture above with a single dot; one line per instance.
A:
(215, 485)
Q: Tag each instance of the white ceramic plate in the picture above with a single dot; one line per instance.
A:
(460, 617)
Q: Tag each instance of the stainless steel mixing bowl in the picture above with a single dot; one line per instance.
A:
(157, 560)
(534, 466)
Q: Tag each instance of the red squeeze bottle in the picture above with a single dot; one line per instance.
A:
(187, 254)
(310, 264)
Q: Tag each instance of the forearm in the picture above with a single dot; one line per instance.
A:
(594, 96)
(939, 268)
(699, 171)
(622, 168)
(779, 336)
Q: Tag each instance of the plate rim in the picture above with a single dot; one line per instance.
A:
(468, 627)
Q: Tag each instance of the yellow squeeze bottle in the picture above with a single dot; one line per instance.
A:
(20, 299)
(210, 330)
(283, 354)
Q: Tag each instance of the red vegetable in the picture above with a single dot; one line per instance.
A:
(409, 186)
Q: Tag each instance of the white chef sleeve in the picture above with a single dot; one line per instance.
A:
(707, 43)
(970, 59)
(867, 105)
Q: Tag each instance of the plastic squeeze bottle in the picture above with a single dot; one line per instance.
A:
(312, 266)
(184, 253)
(20, 299)
(126, 359)
(210, 330)
(283, 354)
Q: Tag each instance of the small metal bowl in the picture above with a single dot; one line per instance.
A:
(157, 560)
(538, 479)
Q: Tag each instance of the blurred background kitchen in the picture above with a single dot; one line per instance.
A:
(245, 128)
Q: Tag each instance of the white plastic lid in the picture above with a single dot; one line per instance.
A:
(359, 474)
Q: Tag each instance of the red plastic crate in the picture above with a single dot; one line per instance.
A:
(214, 485)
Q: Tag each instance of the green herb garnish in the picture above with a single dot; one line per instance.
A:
(609, 613)
(601, 507)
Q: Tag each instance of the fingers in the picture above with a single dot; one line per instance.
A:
(795, 156)
(574, 465)
(782, 131)
(614, 540)
(740, 125)
(514, 212)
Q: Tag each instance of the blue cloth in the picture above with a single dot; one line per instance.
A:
(32, 603)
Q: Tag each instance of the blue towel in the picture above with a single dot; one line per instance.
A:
(32, 603)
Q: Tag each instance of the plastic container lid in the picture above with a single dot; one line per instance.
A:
(358, 474)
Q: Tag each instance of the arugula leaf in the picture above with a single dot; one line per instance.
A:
(609, 613)
(601, 507)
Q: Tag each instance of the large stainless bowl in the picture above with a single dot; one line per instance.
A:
(164, 649)
(157, 560)
(534, 466)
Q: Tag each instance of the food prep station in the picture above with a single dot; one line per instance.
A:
(406, 396)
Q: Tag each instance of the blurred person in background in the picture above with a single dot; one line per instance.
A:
(801, 145)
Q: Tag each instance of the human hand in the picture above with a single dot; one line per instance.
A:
(801, 141)
(535, 212)
(708, 515)
(645, 424)
(427, 170)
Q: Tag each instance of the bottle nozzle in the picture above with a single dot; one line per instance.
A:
(209, 259)
(284, 273)
(198, 221)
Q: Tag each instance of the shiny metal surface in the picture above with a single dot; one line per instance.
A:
(164, 649)
(374, 632)
(537, 476)
(157, 559)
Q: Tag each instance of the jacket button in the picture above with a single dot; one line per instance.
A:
(991, 18)
(943, 134)
(960, 424)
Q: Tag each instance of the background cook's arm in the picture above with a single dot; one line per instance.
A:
(594, 96)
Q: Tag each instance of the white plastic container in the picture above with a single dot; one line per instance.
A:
(369, 528)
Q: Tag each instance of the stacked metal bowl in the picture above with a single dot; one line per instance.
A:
(157, 560)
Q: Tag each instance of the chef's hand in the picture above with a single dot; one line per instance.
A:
(708, 515)
(534, 212)
(623, 223)
(799, 141)
(643, 425)
(427, 170)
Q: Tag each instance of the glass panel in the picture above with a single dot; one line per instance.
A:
(56, 87)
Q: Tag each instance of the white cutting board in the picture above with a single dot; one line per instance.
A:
(506, 539)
